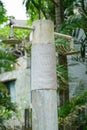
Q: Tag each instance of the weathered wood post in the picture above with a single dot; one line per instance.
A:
(43, 77)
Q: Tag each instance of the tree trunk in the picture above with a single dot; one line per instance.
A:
(59, 17)
(64, 88)
(59, 13)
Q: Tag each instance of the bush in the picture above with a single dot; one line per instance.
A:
(73, 113)
(7, 108)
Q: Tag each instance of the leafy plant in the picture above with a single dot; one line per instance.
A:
(7, 60)
(62, 75)
(3, 17)
(7, 108)
(73, 112)
(39, 9)
(62, 45)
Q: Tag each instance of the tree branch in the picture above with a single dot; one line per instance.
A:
(53, 1)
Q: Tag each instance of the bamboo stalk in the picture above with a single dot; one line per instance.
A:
(23, 27)
(66, 37)
(63, 35)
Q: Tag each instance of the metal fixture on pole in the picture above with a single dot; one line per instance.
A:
(12, 40)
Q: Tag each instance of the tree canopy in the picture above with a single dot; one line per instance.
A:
(3, 16)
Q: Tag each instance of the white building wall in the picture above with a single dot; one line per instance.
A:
(22, 91)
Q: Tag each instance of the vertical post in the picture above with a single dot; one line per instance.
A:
(26, 118)
(43, 77)
(64, 88)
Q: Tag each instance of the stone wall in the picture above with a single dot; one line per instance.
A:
(77, 77)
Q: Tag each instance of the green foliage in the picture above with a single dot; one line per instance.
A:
(73, 112)
(81, 100)
(75, 16)
(7, 60)
(3, 17)
(65, 110)
(3, 88)
(7, 108)
(62, 45)
(36, 8)
(18, 33)
(21, 34)
(4, 32)
(68, 107)
(61, 74)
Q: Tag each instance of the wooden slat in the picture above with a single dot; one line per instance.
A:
(72, 52)
(12, 41)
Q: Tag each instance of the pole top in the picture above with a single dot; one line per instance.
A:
(44, 32)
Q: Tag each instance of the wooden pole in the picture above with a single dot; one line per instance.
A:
(70, 38)
(43, 77)
(22, 27)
